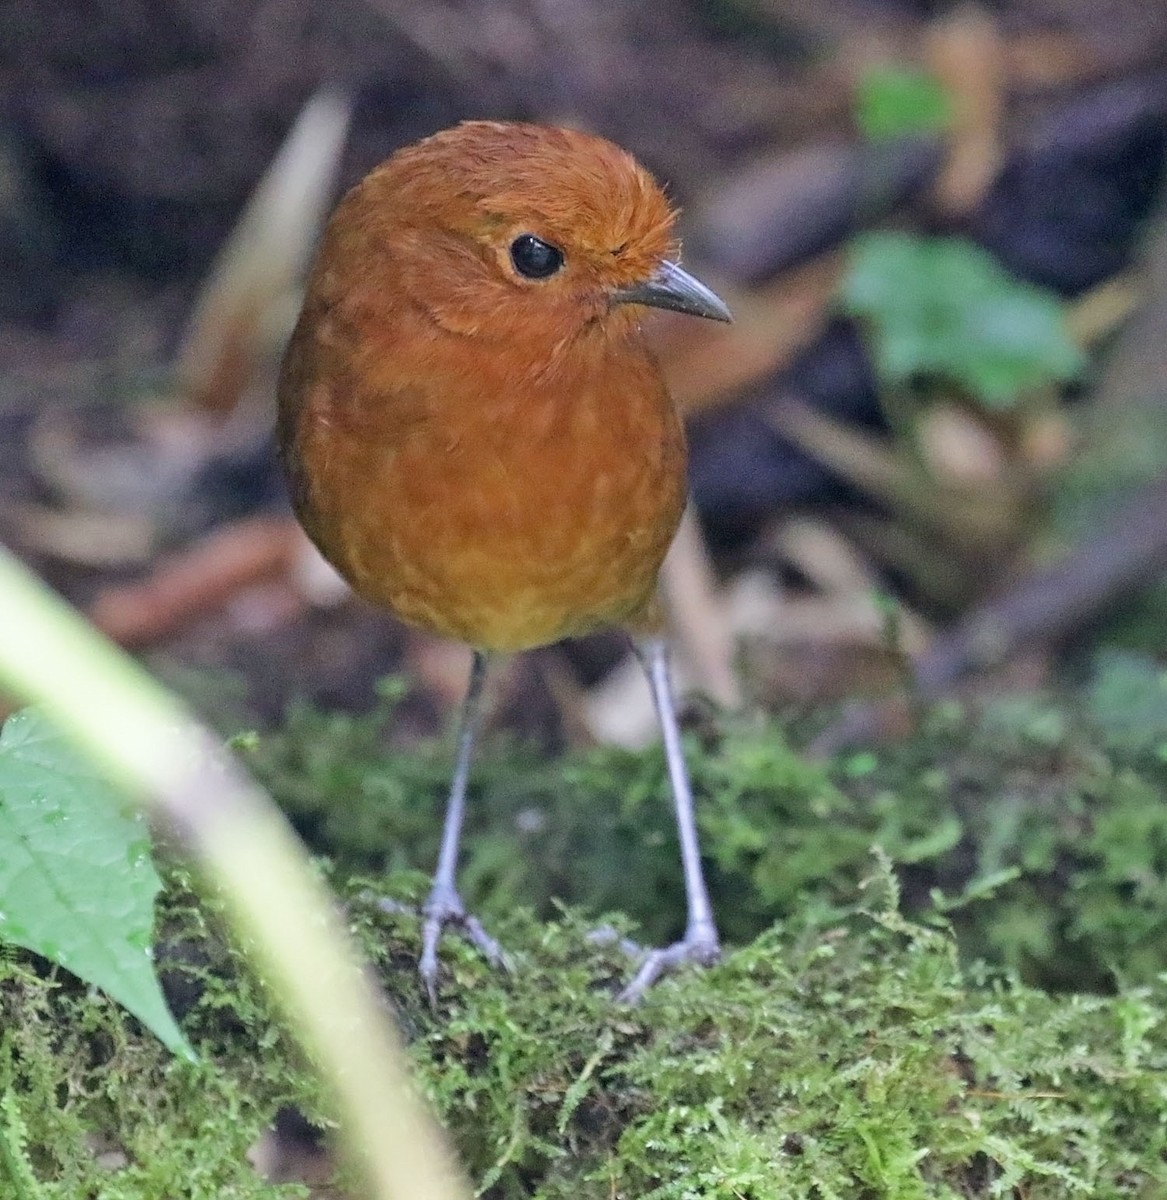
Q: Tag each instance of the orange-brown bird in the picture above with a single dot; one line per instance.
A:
(476, 435)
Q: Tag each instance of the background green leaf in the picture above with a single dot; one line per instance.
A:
(944, 308)
(1127, 700)
(77, 884)
(896, 102)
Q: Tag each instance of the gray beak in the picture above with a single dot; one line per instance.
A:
(673, 288)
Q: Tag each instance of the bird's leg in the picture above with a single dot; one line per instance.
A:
(444, 906)
(700, 944)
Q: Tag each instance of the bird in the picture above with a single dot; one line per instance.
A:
(475, 433)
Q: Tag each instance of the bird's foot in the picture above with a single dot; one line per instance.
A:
(444, 907)
(699, 947)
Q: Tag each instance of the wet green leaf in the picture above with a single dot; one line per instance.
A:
(944, 308)
(77, 883)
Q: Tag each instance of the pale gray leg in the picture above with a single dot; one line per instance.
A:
(700, 944)
(444, 906)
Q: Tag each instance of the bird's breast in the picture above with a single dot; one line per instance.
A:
(507, 514)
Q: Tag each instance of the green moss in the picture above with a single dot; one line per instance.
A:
(843, 1049)
(854, 1059)
(91, 1105)
(1037, 826)
(848, 1058)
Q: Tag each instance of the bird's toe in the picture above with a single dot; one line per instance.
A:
(444, 908)
(698, 947)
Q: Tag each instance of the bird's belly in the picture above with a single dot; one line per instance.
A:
(508, 551)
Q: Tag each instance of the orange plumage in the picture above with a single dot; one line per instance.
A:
(473, 428)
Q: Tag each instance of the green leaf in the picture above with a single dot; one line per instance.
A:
(1128, 700)
(77, 884)
(896, 102)
(943, 307)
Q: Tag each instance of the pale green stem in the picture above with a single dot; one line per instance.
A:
(147, 741)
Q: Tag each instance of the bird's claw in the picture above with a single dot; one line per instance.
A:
(701, 950)
(444, 907)
(699, 947)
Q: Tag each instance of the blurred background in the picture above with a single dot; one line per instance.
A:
(929, 454)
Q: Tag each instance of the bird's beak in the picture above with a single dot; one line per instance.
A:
(673, 288)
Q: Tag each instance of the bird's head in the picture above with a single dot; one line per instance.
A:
(509, 232)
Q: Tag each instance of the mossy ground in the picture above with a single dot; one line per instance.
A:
(854, 1043)
(1036, 822)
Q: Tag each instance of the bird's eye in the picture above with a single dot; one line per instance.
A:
(535, 258)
